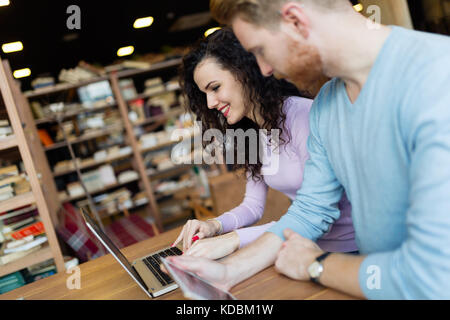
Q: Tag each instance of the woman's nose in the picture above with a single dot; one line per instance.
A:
(212, 101)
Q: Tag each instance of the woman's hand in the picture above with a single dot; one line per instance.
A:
(216, 247)
(197, 228)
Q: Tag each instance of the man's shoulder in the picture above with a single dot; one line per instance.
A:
(423, 48)
(327, 95)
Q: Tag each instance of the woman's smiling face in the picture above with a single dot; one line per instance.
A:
(223, 91)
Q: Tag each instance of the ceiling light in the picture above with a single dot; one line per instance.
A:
(4, 3)
(143, 22)
(22, 73)
(125, 51)
(211, 31)
(358, 7)
(12, 47)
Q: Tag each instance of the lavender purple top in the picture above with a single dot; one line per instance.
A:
(287, 179)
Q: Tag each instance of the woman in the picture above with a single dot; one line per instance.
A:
(225, 89)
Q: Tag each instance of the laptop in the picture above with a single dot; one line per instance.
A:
(145, 271)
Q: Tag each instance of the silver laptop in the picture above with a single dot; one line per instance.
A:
(145, 271)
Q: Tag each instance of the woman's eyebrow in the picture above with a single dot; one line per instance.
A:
(207, 86)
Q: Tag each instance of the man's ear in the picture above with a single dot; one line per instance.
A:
(293, 14)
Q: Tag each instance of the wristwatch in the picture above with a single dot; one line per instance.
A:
(316, 268)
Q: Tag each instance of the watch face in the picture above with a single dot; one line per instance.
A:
(315, 269)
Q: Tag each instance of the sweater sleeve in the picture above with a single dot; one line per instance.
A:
(250, 234)
(315, 207)
(420, 267)
(249, 211)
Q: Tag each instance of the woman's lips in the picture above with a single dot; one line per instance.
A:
(223, 107)
(227, 112)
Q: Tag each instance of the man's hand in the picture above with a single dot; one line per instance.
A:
(210, 270)
(296, 255)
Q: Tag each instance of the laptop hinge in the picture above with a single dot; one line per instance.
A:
(141, 281)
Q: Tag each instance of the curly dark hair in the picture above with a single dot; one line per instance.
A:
(267, 92)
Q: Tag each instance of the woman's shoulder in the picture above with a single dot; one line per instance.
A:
(297, 110)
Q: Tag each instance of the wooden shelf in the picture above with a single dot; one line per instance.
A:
(162, 195)
(107, 215)
(150, 95)
(169, 172)
(91, 164)
(155, 67)
(17, 202)
(86, 137)
(121, 74)
(106, 188)
(8, 142)
(171, 113)
(166, 144)
(75, 113)
(32, 258)
(159, 146)
(62, 87)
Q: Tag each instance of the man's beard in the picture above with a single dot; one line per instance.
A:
(305, 69)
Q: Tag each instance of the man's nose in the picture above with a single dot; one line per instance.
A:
(266, 69)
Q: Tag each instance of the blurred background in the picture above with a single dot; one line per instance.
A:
(49, 46)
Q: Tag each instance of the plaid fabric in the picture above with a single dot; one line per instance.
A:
(75, 233)
(126, 231)
(123, 232)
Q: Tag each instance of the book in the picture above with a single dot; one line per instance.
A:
(9, 171)
(8, 187)
(45, 137)
(34, 229)
(22, 186)
(11, 281)
(16, 226)
(37, 110)
(136, 64)
(6, 196)
(10, 179)
(21, 217)
(16, 212)
(7, 258)
(26, 246)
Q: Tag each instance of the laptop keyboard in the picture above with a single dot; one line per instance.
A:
(152, 262)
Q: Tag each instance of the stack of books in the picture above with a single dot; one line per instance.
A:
(5, 129)
(39, 271)
(12, 183)
(42, 82)
(21, 232)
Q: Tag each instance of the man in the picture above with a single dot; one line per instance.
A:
(380, 130)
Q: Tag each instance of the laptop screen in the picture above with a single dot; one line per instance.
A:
(106, 241)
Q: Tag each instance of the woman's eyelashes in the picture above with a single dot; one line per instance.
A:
(216, 88)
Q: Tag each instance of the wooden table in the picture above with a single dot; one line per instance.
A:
(104, 279)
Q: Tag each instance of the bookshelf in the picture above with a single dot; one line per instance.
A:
(131, 132)
(17, 202)
(22, 139)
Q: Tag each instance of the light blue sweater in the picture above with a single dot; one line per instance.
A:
(390, 151)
